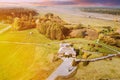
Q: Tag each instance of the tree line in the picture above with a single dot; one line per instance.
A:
(113, 11)
(8, 14)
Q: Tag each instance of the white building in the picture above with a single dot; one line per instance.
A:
(67, 50)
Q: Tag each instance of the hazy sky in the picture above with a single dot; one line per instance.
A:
(70, 2)
(32, 0)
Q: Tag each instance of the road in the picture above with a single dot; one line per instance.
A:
(64, 70)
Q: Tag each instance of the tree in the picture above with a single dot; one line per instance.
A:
(52, 27)
(55, 31)
(16, 23)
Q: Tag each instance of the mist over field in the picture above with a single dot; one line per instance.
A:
(78, 11)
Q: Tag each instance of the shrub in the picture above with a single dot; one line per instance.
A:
(79, 26)
(108, 40)
(118, 43)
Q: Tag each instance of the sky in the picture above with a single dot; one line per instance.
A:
(67, 2)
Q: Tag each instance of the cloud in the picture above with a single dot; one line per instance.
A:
(102, 2)
(69, 2)
(22, 0)
(84, 2)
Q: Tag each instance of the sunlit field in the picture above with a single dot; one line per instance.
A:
(28, 54)
(25, 57)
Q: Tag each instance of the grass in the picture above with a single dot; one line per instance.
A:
(15, 60)
(26, 61)
(34, 62)
(99, 70)
(24, 36)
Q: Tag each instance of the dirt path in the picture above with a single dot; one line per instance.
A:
(5, 29)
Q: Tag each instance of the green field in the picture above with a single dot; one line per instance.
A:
(20, 61)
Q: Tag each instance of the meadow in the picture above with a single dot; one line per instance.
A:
(26, 57)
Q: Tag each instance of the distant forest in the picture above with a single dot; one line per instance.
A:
(113, 11)
(6, 13)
